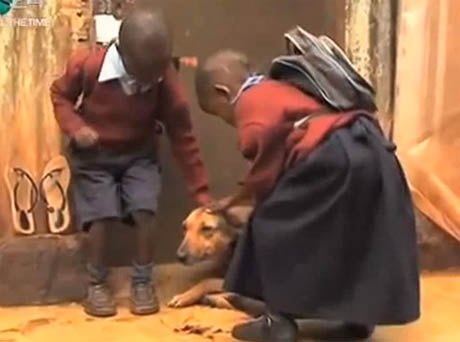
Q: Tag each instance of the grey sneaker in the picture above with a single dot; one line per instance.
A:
(99, 301)
(144, 300)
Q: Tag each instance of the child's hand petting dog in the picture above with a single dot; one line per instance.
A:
(86, 137)
(219, 206)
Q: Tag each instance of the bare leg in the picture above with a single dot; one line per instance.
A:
(144, 300)
(97, 253)
(251, 307)
(145, 226)
(99, 301)
(219, 301)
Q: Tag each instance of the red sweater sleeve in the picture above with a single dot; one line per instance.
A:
(175, 114)
(261, 145)
(65, 92)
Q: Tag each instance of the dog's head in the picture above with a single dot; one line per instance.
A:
(209, 236)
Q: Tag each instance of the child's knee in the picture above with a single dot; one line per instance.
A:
(143, 216)
(100, 224)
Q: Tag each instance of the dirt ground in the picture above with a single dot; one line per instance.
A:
(441, 310)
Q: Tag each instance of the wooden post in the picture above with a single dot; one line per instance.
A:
(370, 40)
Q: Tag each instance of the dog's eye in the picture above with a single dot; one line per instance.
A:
(207, 231)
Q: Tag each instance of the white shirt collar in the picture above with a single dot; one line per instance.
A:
(112, 67)
(251, 81)
(107, 28)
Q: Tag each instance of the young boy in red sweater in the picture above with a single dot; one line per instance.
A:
(332, 236)
(127, 89)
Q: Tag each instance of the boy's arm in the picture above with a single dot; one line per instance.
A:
(65, 92)
(175, 114)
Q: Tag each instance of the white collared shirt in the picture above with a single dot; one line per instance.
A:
(113, 68)
(107, 28)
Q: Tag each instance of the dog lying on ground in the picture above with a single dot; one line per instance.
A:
(212, 237)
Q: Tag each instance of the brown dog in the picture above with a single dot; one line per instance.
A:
(211, 237)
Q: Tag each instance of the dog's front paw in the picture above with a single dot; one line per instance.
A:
(183, 300)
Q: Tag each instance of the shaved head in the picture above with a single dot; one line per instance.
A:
(145, 44)
(224, 67)
(219, 79)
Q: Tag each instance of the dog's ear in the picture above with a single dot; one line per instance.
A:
(238, 216)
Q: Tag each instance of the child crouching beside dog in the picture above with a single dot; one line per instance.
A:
(332, 235)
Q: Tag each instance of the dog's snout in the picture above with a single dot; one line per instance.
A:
(181, 254)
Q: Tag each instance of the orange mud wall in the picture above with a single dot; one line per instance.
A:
(427, 117)
(31, 57)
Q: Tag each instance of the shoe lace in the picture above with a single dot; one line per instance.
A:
(143, 290)
(102, 292)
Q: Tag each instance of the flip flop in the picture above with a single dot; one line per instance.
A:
(53, 190)
(23, 198)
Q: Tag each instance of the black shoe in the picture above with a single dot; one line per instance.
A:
(99, 301)
(144, 300)
(358, 331)
(268, 328)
